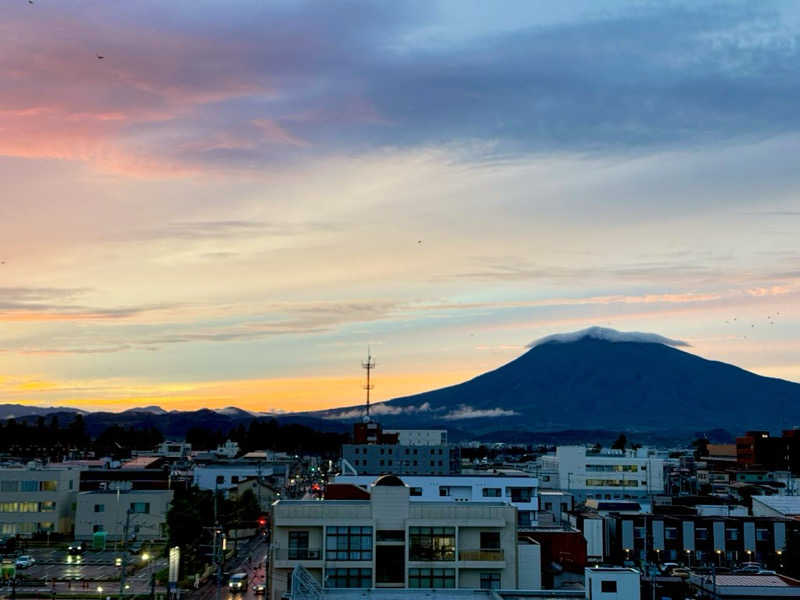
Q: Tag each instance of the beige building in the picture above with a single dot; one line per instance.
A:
(106, 511)
(37, 499)
(390, 542)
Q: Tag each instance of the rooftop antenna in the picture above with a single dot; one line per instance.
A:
(368, 365)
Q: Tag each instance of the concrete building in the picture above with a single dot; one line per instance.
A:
(419, 437)
(390, 541)
(612, 583)
(605, 473)
(519, 491)
(776, 506)
(380, 459)
(106, 512)
(225, 475)
(37, 499)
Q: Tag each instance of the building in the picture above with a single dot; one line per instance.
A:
(419, 437)
(687, 538)
(519, 491)
(224, 475)
(106, 511)
(390, 541)
(556, 503)
(129, 477)
(743, 587)
(264, 492)
(612, 583)
(605, 473)
(37, 500)
(758, 450)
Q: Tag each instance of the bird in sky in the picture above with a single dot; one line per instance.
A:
(99, 57)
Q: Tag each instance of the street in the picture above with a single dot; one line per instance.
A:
(250, 559)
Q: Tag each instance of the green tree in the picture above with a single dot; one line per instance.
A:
(621, 442)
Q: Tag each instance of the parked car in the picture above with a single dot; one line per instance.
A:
(667, 566)
(24, 561)
(76, 547)
(681, 572)
(135, 547)
(238, 583)
(260, 589)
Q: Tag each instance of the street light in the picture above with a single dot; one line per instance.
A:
(688, 557)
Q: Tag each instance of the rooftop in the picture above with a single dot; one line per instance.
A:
(787, 505)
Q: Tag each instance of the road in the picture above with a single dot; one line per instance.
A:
(250, 559)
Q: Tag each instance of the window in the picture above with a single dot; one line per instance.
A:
(520, 494)
(440, 451)
(390, 450)
(732, 535)
(440, 463)
(415, 463)
(639, 532)
(608, 587)
(234, 479)
(564, 507)
(671, 533)
(762, 535)
(415, 491)
(431, 578)
(612, 468)
(444, 491)
(48, 486)
(298, 545)
(390, 535)
(382, 451)
(29, 486)
(97, 528)
(9, 486)
(348, 578)
(702, 534)
(355, 450)
(28, 507)
(491, 492)
(433, 463)
(390, 463)
(432, 543)
(348, 543)
(612, 482)
(382, 462)
(98, 508)
(490, 580)
(47, 506)
(548, 506)
(406, 450)
(9, 507)
(490, 540)
(415, 450)
(141, 508)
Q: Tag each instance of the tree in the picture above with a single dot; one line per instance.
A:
(621, 442)
(700, 446)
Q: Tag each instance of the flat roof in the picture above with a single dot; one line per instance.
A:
(754, 581)
(788, 505)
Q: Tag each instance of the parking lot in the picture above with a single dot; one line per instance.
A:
(56, 564)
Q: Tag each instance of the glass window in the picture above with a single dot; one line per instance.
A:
(432, 543)
(490, 540)
(608, 587)
(431, 578)
(98, 508)
(762, 535)
(28, 507)
(9, 486)
(29, 486)
(521, 494)
(9, 507)
(298, 545)
(47, 506)
(415, 491)
(348, 543)
(140, 508)
(348, 578)
(491, 492)
(732, 535)
(48, 486)
(490, 580)
(444, 491)
(702, 534)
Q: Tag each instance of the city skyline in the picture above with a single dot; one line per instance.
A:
(230, 206)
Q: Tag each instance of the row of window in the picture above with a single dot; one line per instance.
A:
(702, 534)
(12, 529)
(141, 508)
(390, 451)
(613, 482)
(417, 578)
(389, 463)
(30, 486)
(348, 543)
(27, 507)
(614, 468)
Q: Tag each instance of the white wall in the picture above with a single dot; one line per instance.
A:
(627, 584)
(530, 566)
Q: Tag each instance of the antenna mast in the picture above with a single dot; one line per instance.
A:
(368, 365)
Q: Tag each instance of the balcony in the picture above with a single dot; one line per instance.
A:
(481, 555)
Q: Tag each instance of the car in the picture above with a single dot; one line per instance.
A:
(667, 566)
(76, 547)
(260, 589)
(681, 572)
(24, 561)
(135, 547)
(238, 582)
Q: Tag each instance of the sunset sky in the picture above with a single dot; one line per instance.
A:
(240, 197)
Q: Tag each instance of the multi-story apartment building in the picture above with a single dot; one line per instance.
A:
(389, 541)
(224, 475)
(379, 459)
(604, 473)
(519, 491)
(759, 450)
(106, 512)
(37, 499)
(690, 539)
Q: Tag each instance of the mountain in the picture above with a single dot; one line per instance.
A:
(602, 379)
(15, 411)
(153, 410)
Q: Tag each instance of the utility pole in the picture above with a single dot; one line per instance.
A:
(368, 365)
(217, 546)
(124, 552)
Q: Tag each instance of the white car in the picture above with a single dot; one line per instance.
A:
(25, 561)
(238, 582)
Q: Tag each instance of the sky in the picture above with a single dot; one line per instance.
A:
(239, 198)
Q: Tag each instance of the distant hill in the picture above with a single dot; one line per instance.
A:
(13, 411)
(602, 379)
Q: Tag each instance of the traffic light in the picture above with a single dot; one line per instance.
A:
(262, 521)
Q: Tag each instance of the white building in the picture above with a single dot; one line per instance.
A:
(390, 541)
(612, 583)
(419, 437)
(519, 491)
(226, 475)
(37, 499)
(107, 512)
(776, 506)
(604, 474)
